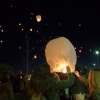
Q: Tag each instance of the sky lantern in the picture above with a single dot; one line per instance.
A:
(80, 51)
(2, 30)
(38, 18)
(60, 56)
(19, 24)
(35, 56)
(31, 29)
(79, 24)
(0, 25)
(1, 41)
(22, 29)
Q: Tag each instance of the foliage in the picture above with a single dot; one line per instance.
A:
(6, 68)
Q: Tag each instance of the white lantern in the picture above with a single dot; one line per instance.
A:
(60, 53)
(38, 18)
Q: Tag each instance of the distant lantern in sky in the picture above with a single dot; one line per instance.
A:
(11, 6)
(58, 23)
(38, 18)
(75, 47)
(2, 30)
(81, 47)
(22, 29)
(0, 25)
(31, 18)
(19, 47)
(79, 24)
(80, 50)
(90, 49)
(35, 56)
(31, 29)
(1, 41)
(19, 24)
(31, 13)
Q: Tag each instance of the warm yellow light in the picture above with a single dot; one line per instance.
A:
(22, 29)
(35, 56)
(38, 18)
(31, 29)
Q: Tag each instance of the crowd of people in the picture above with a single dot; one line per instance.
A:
(45, 84)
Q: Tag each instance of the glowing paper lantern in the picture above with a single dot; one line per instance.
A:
(35, 56)
(38, 18)
(60, 53)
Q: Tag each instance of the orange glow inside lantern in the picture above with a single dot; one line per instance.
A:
(38, 18)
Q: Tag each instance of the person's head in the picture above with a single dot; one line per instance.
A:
(42, 79)
(94, 80)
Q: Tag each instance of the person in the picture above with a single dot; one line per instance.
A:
(44, 83)
(6, 91)
(78, 86)
(93, 82)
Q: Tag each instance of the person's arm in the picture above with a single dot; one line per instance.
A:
(82, 79)
(65, 83)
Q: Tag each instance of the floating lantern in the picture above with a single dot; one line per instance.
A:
(19, 24)
(60, 53)
(38, 18)
(35, 56)
(31, 29)
(2, 30)
(80, 50)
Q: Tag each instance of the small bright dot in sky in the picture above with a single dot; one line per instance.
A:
(75, 47)
(11, 6)
(19, 47)
(79, 24)
(22, 29)
(0, 25)
(58, 23)
(31, 18)
(1, 41)
(46, 24)
(2, 30)
(19, 24)
(90, 49)
(31, 13)
(31, 29)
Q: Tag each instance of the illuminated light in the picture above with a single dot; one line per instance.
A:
(75, 47)
(19, 24)
(43, 38)
(35, 56)
(46, 24)
(1, 41)
(32, 13)
(37, 31)
(80, 50)
(97, 52)
(0, 25)
(19, 47)
(31, 29)
(31, 18)
(90, 49)
(58, 23)
(81, 47)
(11, 6)
(38, 18)
(2, 30)
(79, 24)
(22, 29)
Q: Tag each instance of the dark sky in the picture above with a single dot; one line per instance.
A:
(59, 18)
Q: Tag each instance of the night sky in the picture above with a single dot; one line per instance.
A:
(77, 21)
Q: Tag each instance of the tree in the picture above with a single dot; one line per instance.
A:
(6, 68)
